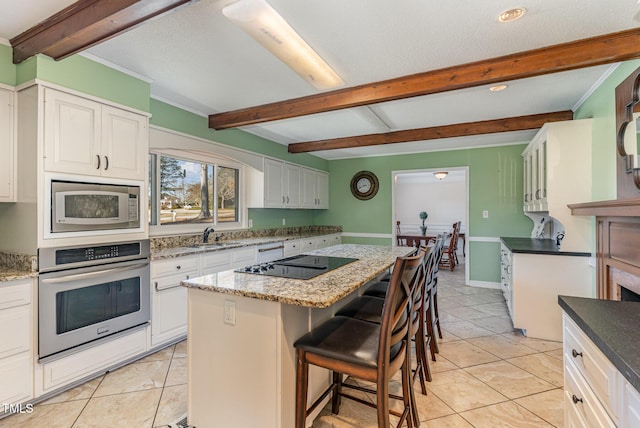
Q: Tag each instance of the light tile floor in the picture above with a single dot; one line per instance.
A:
(485, 376)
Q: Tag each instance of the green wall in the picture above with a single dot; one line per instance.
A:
(495, 184)
(7, 69)
(601, 107)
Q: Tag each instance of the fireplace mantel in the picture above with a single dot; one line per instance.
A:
(617, 244)
(612, 208)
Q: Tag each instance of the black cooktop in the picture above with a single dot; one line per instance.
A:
(303, 266)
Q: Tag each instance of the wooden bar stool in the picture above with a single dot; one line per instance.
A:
(364, 350)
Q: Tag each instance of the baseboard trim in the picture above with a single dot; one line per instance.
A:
(485, 284)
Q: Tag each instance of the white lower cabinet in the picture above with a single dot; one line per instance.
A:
(75, 367)
(16, 350)
(169, 298)
(596, 394)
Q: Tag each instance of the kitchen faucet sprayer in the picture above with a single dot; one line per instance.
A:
(205, 234)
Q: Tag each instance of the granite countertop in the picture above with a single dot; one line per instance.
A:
(11, 274)
(538, 246)
(17, 266)
(613, 327)
(319, 292)
(179, 251)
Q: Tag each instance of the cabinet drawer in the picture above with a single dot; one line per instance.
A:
(93, 360)
(243, 256)
(308, 244)
(172, 281)
(15, 336)
(291, 248)
(15, 293)
(215, 261)
(172, 266)
(591, 363)
(581, 399)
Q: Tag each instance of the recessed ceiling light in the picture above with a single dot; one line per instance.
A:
(512, 14)
(498, 88)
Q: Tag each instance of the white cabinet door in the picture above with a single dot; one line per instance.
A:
(124, 147)
(273, 182)
(322, 189)
(169, 308)
(309, 197)
(315, 189)
(7, 147)
(17, 379)
(169, 298)
(293, 179)
(71, 134)
(86, 137)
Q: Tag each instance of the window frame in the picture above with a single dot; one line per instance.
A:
(195, 156)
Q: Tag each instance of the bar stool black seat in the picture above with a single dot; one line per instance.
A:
(364, 350)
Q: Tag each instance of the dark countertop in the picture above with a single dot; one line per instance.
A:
(613, 328)
(538, 246)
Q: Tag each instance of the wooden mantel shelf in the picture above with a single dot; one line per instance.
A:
(612, 208)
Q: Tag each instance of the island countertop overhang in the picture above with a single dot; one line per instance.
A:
(319, 292)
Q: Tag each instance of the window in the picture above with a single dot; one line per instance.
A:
(196, 191)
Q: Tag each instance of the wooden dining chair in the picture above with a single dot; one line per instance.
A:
(449, 258)
(365, 350)
(400, 242)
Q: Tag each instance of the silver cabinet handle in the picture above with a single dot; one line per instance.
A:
(262, 250)
(98, 157)
(283, 199)
(106, 163)
(156, 285)
(287, 199)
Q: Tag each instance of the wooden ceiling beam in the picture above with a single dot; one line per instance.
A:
(86, 23)
(509, 124)
(605, 49)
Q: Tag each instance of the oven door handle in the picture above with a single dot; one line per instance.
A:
(80, 276)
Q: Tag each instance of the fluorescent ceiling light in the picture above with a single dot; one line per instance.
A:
(258, 19)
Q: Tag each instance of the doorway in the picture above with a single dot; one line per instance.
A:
(445, 198)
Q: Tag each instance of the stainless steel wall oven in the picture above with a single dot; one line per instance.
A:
(90, 292)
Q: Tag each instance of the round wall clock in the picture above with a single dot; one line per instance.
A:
(364, 185)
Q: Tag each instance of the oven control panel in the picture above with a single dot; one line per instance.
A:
(63, 258)
(87, 254)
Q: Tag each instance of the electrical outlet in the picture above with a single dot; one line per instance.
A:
(485, 214)
(284, 221)
(250, 222)
(229, 316)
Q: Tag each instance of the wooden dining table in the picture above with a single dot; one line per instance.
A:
(415, 240)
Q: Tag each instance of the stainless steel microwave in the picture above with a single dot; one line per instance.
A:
(79, 206)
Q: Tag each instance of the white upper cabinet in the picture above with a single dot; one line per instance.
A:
(287, 185)
(86, 137)
(557, 166)
(7, 146)
(315, 189)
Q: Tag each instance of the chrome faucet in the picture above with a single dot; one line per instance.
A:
(559, 238)
(205, 235)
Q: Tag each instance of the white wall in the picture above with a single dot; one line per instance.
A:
(444, 200)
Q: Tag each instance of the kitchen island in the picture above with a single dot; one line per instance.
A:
(241, 333)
